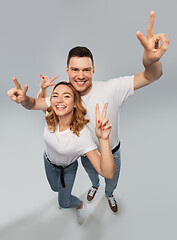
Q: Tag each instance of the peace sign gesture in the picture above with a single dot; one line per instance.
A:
(103, 128)
(152, 51)
(46, 82)
(17, 94)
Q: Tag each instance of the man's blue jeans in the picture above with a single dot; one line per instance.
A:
(65, 199)
(110, 184)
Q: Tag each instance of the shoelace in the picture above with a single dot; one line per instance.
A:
(92, 191)
(112, 201)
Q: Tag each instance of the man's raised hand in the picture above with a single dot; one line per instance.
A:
(17, 94)
(152, 51)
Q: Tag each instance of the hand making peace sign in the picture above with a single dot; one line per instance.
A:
(17, 94)
(46, 82)
(103, 128)
(152, 51)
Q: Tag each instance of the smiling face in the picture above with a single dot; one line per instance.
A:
(62, 101)
(80, 71)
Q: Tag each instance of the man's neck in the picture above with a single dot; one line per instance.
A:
(86, 91)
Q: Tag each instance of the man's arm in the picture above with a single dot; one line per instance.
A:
(152, 54)
(19, 96)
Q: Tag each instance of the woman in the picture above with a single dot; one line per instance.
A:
(66, 138)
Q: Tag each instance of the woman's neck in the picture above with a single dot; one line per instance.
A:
(64, 123)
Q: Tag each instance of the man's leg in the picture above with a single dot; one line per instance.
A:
(93, 175)
(111, 184)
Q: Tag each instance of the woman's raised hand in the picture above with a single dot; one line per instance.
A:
(46, 82)
(103, 128)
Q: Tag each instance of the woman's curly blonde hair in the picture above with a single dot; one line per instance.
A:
(78, 120)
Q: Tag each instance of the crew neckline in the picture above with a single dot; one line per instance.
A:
(62, 132)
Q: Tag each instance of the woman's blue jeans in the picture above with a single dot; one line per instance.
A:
(65, 199)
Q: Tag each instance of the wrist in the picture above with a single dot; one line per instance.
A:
(102, 140)
(43, 89)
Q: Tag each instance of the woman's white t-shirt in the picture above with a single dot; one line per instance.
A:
(63, 148)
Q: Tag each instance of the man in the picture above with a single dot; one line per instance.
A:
(80, 69)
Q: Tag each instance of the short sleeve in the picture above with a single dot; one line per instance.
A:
(121, 88)
(87, 143)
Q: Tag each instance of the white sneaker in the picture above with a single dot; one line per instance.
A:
(81, 214)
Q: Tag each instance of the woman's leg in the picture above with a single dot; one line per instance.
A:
(65, 198)
(52, 174)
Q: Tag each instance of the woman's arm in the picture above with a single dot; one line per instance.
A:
(45, 83)
(103, 162)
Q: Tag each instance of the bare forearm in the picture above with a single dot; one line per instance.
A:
(107, 166)
(28, 103)
(153, 72)
(42, 93)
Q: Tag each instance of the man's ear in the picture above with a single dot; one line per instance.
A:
(67, 69)
(93, 70)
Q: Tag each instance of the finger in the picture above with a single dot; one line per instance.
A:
(51, 80)
(164, 42)
(11, 94)
(150, 27)
(105, 122)
(97, 114)
(43, 81)
(108, 126)
(52, 84)
(25, 89)
(104, 111)
(17, 84)
(45, 77)
(12, 91)
(164, 45)
(142, 39)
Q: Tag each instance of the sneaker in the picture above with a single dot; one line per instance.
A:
(91, 193)
(112, 204)
(81, 214)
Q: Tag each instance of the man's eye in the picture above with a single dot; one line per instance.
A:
(75, 69)
(87, 70)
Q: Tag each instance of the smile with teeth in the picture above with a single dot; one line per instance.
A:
(60, 107)
(80, 83)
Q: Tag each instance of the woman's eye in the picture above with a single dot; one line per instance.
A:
(67, 96)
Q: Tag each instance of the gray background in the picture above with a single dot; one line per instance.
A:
(35, 39)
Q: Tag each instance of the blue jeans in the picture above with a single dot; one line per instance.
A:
(65, 199)
(110, 184)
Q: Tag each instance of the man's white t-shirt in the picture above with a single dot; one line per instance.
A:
(114, 92)
(63, 148)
